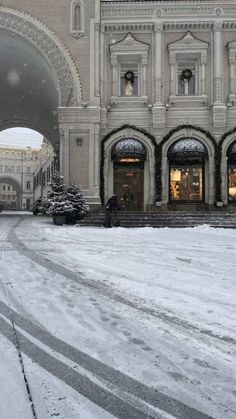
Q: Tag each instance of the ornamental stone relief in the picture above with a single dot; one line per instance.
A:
(170, 10)
(52, 48)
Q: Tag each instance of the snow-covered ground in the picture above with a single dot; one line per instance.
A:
(118, 322)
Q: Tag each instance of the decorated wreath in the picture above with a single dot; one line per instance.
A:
(129, 76)
(186, 74)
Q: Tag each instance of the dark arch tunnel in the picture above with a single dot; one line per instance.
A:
(29, 95)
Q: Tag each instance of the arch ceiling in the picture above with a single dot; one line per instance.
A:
(37, 75)
(28, 92)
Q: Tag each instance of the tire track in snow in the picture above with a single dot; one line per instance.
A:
(116, 378)
(107, 290)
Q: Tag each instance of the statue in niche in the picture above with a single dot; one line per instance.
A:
(129, 82)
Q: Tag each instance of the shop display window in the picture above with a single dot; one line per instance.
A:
(186, 182)
(232, 181)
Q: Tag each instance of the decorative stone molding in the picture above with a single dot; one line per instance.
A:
(189, 44)
(78, 135)
(129, 45)
(50, 47)
(218, 25)
(128, 27)
(167, 9)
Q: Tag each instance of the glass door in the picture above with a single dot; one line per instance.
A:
(129, 185)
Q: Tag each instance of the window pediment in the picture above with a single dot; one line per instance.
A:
(188, 44)
(129, 45)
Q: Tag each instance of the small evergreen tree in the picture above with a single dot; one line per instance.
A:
(79, 206)
(65, 200)
(55, 204)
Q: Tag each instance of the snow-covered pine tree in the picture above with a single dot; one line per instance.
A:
(65, 200)
(56, 203)
(78, 202)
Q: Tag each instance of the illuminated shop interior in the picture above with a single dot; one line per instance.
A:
(186, 162)
(232, 172)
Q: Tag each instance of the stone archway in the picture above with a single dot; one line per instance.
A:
(38, 75)
(52, 49)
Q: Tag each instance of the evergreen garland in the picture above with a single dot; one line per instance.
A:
(106, 138)
(158, 156)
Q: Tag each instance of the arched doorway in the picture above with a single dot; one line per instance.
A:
(187, 158)
(128, 156)
(231, 154)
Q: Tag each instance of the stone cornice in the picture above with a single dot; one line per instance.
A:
(166, 9)
(181, 25)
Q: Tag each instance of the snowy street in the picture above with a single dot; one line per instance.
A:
(116, 323)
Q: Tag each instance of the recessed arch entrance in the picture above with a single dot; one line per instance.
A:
(231, 154)
(137, 149)
(129, 156)
(187, 158)
(188, 144)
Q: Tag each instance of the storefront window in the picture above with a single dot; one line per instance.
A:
(232, 181)
(186, 182)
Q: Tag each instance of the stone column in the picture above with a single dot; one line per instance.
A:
(203, 73)
(96, 160)
(97, 59)
(172, 73)
(165, 181)
(158, 62)
(144, 77)
(232, 73)
(114, 75)
(224, 182)
(64, 155)
(102, 72)
(211, 181)
(218, 76)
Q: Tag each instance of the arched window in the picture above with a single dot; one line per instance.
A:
(186, 161)
(77, 18)
(231, 154)
(128, 149)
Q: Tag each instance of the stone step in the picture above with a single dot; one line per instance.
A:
(156, 219)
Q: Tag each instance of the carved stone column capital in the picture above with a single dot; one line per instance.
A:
(218, 26)
(158, 27)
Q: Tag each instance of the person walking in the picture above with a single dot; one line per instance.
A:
(110, 209)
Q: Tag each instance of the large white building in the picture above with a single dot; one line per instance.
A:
(17, 166)
(138, 98)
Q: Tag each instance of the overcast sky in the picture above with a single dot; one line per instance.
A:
(20, 138)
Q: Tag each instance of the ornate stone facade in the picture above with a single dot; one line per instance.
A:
(180, 57)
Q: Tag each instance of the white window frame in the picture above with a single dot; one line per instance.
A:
(188, 49)
(186, 64)
(125, 52)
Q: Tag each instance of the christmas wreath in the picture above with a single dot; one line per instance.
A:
(129, 76)
(186, 74)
